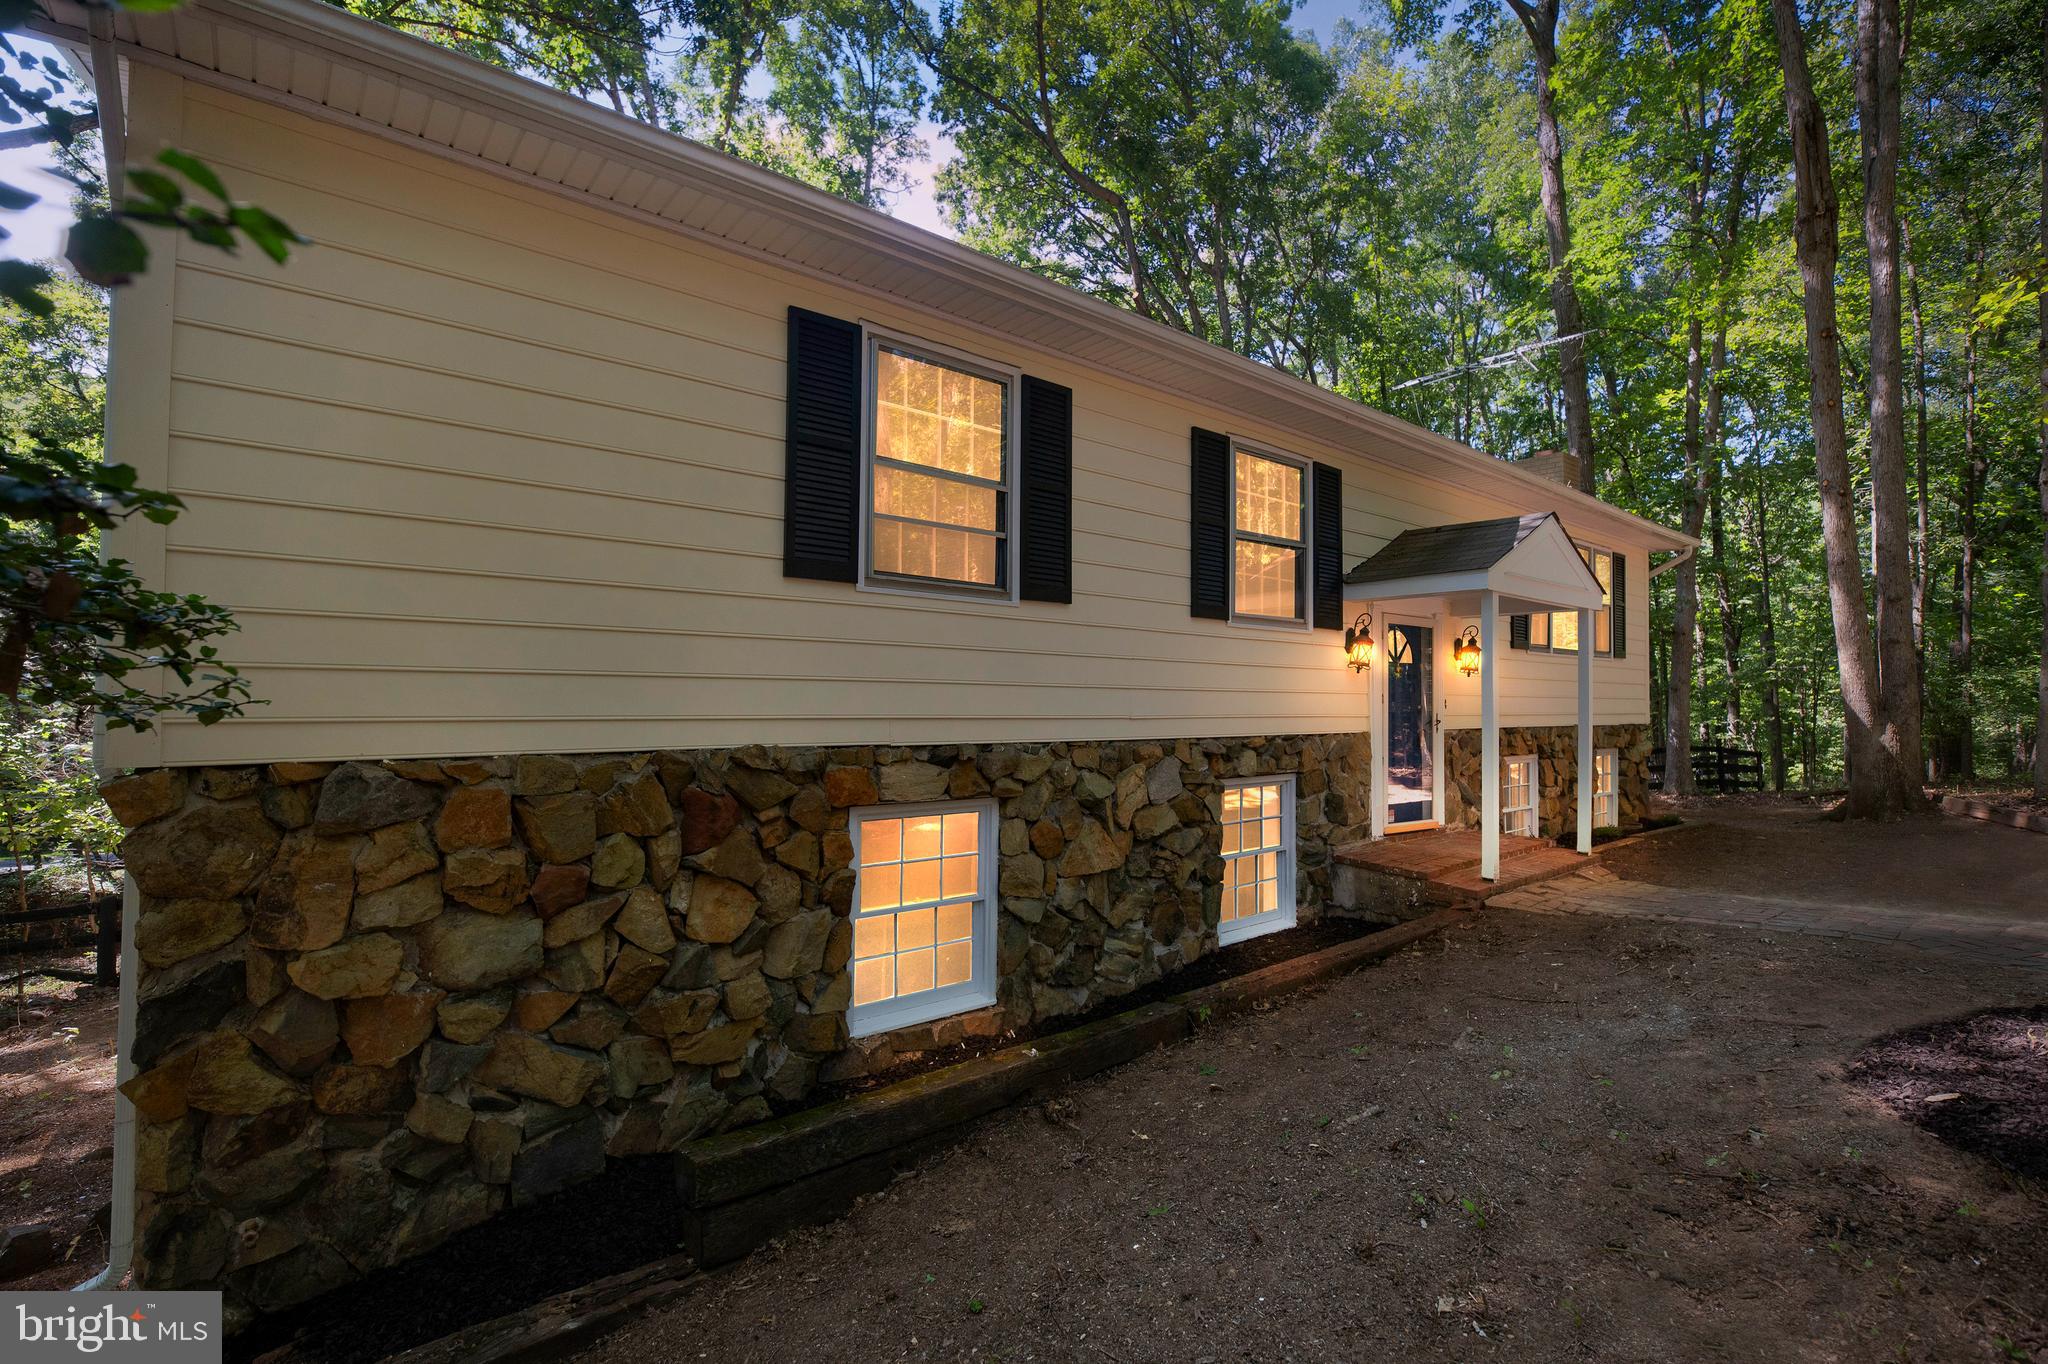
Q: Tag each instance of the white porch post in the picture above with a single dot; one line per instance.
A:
(1489, 737)
(1585, 731)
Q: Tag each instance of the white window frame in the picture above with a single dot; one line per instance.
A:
(1541, 622)
(1012, 380)
(1607, 797)
(1507, 812)
(979, 990)
(1274, 920)
(1308, 520)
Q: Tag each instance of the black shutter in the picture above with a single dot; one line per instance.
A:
(1045, 510)
(1209, 525)
(821, 459)
(1617, 625)
(1327, 549)
(1518, 632)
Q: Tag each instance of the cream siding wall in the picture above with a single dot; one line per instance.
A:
(488, 471)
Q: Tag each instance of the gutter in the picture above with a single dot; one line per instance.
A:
(106, 82)
(1674, 561)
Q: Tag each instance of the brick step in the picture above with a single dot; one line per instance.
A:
(1437, 860)
(1526, 869)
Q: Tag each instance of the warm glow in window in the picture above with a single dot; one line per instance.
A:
(1561, 632)
(1257, 875)
(1268, 540)
(918, 889)
(1518, 797)
(1606, 798)
(939, 471)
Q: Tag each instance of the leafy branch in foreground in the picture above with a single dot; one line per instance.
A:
(78, 628)
(77, 632)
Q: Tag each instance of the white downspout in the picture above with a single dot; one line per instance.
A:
(106, 80)
(121, 1227)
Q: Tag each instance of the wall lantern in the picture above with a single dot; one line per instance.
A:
(1465, 653)
(1358, 642)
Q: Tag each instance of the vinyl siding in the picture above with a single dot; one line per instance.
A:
(487, 470)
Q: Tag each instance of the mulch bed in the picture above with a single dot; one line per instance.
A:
(1238, 959)
(630, 1216)
(633, 1214)
(1980, 1083)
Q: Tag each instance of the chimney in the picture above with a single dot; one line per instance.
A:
(1559, 466)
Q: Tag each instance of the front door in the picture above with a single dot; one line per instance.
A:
(1411, 747)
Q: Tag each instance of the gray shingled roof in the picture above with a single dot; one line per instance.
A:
(1463, 548)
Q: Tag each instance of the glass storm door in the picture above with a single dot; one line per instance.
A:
(1411, 757)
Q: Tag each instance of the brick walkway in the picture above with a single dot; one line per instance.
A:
(1596, 890)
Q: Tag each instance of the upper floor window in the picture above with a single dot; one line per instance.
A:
(939, 472)
(1268, 538)
(1559, 630)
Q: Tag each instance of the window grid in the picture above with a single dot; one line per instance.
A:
(1258, 857)
(938, 471)
(1558, 631)
(1518, 797)
(1269, 542)
(1606, 795)
(919, 904)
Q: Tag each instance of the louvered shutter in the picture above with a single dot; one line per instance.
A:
(1327, 549)
(821, 456)
(1209, 525)
(1518, 632)
(1045, 512)
(1618, 593)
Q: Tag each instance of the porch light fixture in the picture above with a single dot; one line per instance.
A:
(1465, 653)
(1358, 642)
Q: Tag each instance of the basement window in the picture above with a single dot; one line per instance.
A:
(1258, 858)
(1518, 797)
(924, 913)
(1606, 791)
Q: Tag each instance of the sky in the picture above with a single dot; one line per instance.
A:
(39, 230)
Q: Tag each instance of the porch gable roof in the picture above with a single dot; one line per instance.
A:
(1528, 561)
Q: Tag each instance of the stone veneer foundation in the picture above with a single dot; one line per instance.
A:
(379, 1002)
(1557, 748)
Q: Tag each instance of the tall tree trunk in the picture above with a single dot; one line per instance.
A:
(2041, 681)
(1881, 52)
(1774, 721)
(1539, 21)
(1923, 544)
(1965, 651)
(1872, 774)
(1731, 627)
(1686, 607)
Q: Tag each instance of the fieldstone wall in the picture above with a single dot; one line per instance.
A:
(381, 1001)
(1557, 747)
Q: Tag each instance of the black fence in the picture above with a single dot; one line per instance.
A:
(1715, 768)
(105, 913)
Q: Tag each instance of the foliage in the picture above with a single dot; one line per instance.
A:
(83, 634)
(1363, 209)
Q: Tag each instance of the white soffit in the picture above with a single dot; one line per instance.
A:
(328, 63)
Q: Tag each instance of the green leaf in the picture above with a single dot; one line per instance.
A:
(105, 250)
(157, 186)
(195, 170)
(21, 284)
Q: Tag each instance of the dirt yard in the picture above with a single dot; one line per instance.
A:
(57, 1122)
(1535, 1138)
(1768, 845)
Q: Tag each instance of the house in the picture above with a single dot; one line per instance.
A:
(706, 629)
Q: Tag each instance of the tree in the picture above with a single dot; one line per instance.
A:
(2041, 343)
(80, 632)
(1539, 20)
(1880, 46)
(849, 91)
(1873, 773)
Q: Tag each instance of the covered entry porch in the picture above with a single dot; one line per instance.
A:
(1409, 599)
